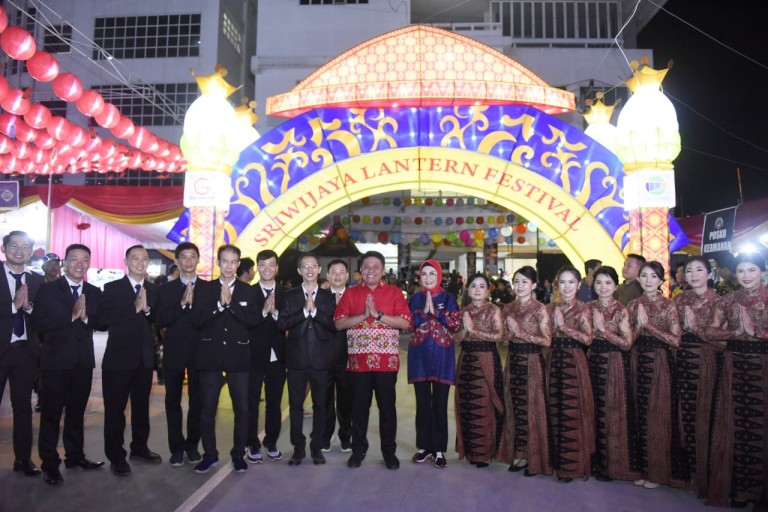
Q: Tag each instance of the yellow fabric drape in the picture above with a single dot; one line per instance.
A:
(150, 218)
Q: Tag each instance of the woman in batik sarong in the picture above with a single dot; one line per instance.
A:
(657, 332)
(739, 452)
(571, 402)
(479, 382)
(527, 441)
(431, 362)
(609, 359)
(701, 319)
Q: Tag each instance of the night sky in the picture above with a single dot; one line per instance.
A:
(724, 87)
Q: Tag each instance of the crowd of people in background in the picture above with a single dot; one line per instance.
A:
(604, 377)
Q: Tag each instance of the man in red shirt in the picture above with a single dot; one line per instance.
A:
(373, 315)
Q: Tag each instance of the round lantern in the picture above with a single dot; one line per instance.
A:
(418, 221)
(383, 237)
(520, 229)
(521, 239)
(38, 116)
(90, 103)
(437, 238)
(377, 220)
(7, 123)
(479, 234)
(479, 220)
(24, 132)
(342, 234)
(459, 221)
(18, 43)
(506, 230)
(356, 219)
(449, 221)
(428, 201)
(59, 128)
(44, 139)
(141, 138)
(108, 117)
(77, 136)
(67, 87)
(124, 128)
(449, 201)
(4, 87)
(3, 19)
(424, 238)
(5, 145)
(43, 67)
(16, 102)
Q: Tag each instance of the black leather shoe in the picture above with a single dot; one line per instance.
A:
(121, 468)
(52, 476)
(392, 461)
(318, 457)
(564, 480)
(297, 457)
(147, 456)
(27, 467)
(356, 459)
(83, 463)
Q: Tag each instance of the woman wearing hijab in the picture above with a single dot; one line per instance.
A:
(431, 361)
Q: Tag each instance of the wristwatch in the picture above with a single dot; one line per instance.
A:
(378, 318)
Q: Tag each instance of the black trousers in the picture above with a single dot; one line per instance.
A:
(63, 390)
(210, 389)
(18, 366)
(364, 385)
(174, 389)
(297, 386)
(338, 405)
(118, 386)
(432, 416)
(273, 380)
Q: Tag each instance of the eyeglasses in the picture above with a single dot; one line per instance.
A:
(309, 267)
(16, 247)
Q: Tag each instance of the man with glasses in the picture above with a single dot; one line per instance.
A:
(18, 342)
(374, 313)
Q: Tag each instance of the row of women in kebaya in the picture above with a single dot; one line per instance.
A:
(661, 392)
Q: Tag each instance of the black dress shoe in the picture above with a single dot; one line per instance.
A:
(356, 459)
(52, 476)
(83, 463)
(121, 468)
(318, 457)
(297, 457)
(392, 461)
(27, 467)
(147, 456)
(564, 480)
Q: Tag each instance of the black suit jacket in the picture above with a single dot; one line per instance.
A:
(33, 282)
(308, 342)
(130, 342)
(266, 335)
(224, 337)
(68, 344)
(180, 338)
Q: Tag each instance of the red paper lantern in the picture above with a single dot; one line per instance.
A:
(20, 150)
(163, 149)
(77, 136)
(7, 123)
(43, 67)
(4, 87)
(142, 138)
(520, 229)
(124, 128)
(38, 116)
(3, 19)
(67, 87)
(18, 43)
(5, 145)
(16, 102)
(24, 132)
(383, 237)
(40, 155)
(93, 144)
(90, 103)
(108, 148)
(108, 117)
(44, 140)
(59, 128)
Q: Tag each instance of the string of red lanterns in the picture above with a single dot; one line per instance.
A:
(33, 141)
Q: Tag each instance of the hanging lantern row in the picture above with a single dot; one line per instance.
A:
(521, 225)
(422, 201)
(35, 141)
(463, 238)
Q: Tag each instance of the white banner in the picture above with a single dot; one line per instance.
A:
(207, 188)
(649, 189)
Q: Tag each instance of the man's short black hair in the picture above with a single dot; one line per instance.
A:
(246, 264)
(265, 255)
(374, 254)
(128, 250)
(7, 238)
(228, 247)
(337, 261)
(183, 246)
(76, 247)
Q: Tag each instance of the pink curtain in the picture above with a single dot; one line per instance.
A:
(106, 243)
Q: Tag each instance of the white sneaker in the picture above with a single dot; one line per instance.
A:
(253, 456)
(639, 483)
(650, 485)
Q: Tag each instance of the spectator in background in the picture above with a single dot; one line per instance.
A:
(357, 279)
(51, 268)
(727, 282)
(586, 292)
(173, 272)
(630, 288)
(501, 294)
(246, 271)
(679, 285)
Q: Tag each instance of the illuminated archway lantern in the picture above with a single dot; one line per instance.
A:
(599, 120)
(214, 135)
(647, 142)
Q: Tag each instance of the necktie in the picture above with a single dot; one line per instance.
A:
(268, 291)
(75, 295)
(138, 289)
(18, 318)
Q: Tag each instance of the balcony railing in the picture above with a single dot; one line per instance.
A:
(585, 23)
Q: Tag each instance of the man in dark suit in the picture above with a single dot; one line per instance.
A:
(65, 313)
(306, 312)
(267, 362)
(128, 361)
(180, 340)
(224, 310)
(338, 398)
(18, 342)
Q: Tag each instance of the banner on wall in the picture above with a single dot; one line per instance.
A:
(9, 195)
(491, 258)
(717, 236)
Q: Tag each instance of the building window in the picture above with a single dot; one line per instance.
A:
(58, 39)
(332, 2)
(231, 32)
(147, 37)
(136, 177)
(151, 105)
(57, 107)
